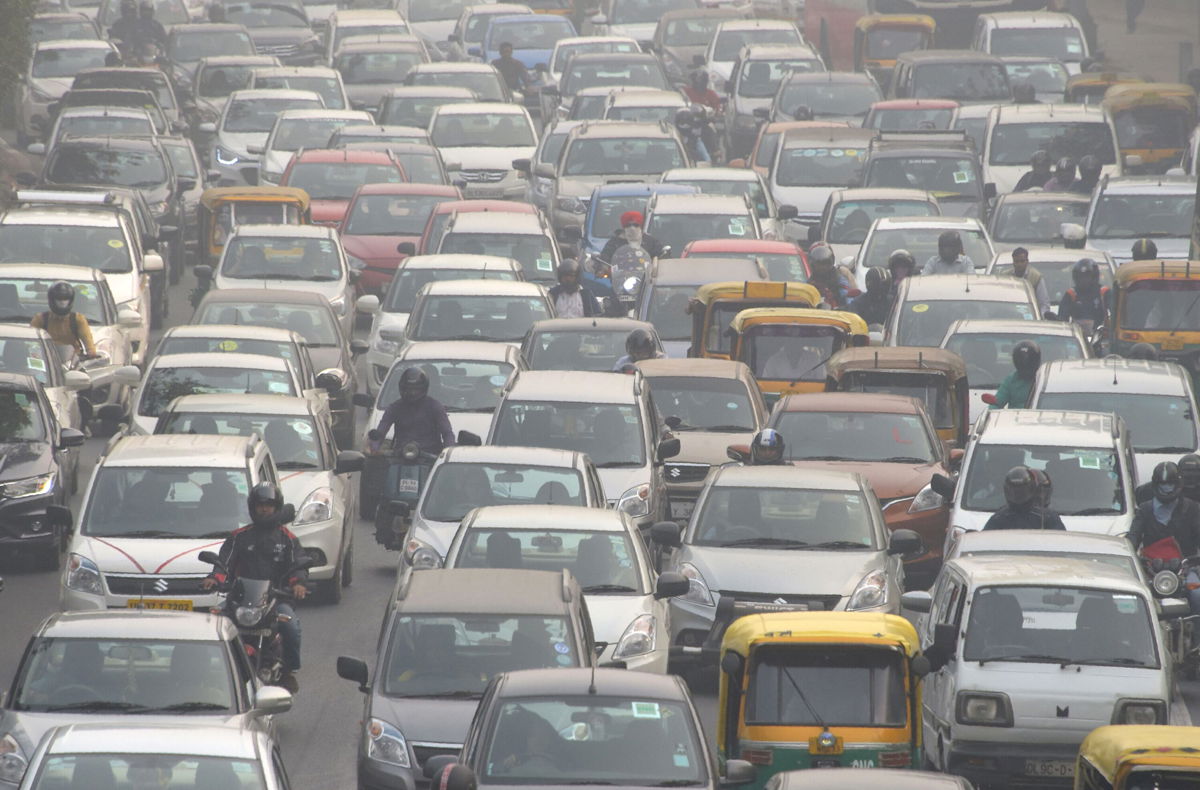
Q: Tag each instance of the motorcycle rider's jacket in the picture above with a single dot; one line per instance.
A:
(422, 421)
(1183, 525)
(651, 245)
(1009, 517)
(1077, 307)
(262, 552)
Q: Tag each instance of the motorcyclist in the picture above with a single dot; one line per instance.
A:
(1089, 175)
(152, 30)
(1167, 517)
(766, 448)
(901, 265)
(824, 275)
(950, 258)
(1064, 176)
(1087, 301)
(266, 549)
(127, 28)
(639, 345)
(65, 326)
(1014, 390)
(690, 123)
(1022, 270)
(698, 92)
(515, 75)
(1189, 477)
(875, 305)
(1145, 250)
(416, 417)
(1038, 173)
(631, 233)
(572, 299)
(1024, 93)
(1023, 497)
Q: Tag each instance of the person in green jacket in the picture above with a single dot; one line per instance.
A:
(1014, 390)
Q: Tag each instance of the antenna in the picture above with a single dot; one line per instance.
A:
(591, 689)
(1114, 367)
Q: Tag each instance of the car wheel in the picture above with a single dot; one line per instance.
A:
(348, 565)
(50, 556)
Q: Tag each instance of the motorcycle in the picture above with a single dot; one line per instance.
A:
(1174, 577)
(396, 480)
(627, 272)
(700, 135)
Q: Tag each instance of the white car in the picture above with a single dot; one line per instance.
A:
(1126, 209)
(810, 163)
(734, 34)
(643, 105)
(675, 220)
(246, 121)
(321, 79)
(96, 122)
(1014, 131)
(484, 138)
(772, 218)
(524, 237)
(567, 48)
(296, 129)
(347, 22)
(603, 550)
(52, 69)
(1033, 33)
(1113, 550)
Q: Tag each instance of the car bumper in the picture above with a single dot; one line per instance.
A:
(23, 522)
(507, 189)
(1005, 764)
(566, 219)
(374, 775)
(324, 537)
(77, 601)
(244, 173)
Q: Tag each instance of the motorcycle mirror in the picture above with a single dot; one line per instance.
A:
(209, 557)
(287, 513)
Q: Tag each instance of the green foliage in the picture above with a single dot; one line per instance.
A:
(14, 38)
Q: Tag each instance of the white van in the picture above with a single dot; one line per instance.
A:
(1016, 131)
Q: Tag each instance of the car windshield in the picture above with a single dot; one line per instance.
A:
(402, 293)
(130, 675)
(676, 230)
(962, 81)
(326, 87)
(498, 318)
(178, 344)
(827, 99)
(344, 31)
(603, 562)
(587, 108)
(610, 433)
(804, 685)
(930, 388)
(283, 258)
(922, 243)
(457, 488)
(948, 178)
(20, 420)
(750, 187)
(501, 130)
(532, 250)
(691, 31)
(924, 323)
(771, 518)
(260, 14)
(889, 43)
(857, 436)
(292, 134)
(294, 441)
(486, 84)
(898, 120)
(338, 180)
(790, 352)
(634, 12)
(1157, 423)
(974, 127)
(564, 53)
(166, 12)
(989, 355)
(1046, 77)
(642, 113)
(704, 404)
(537, 32)
(1060, 625)
(415, 111)
(27, 357)
(852, 218)
(1087, 481)
(607, 210)
(258, 115)
(421, 168)
(390, 215)
(314, 323)
(164, 384)
(1063, 43)
(574, 350)
(217, 82)
(615, 72)
(186, 46)
(759, 79)
(1057, 277)
(104, 126)
(165, 502)
(443, 11)
(668, 311)
(67, 61)
(1012, 142)
(21, 298)
(1135, 216)
(182, 160)
(1036, 223)
(456, 655)
(1152, 128)
(459, 385)
(593, 739)
(376, 68)
(820, 167)
(140, 169)
(1162, 305)
(730, 42)
(75, 245)
(42, 29)
(145, 770)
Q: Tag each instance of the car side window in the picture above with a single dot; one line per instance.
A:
(597, 488)
(266, 472)
(954, 605)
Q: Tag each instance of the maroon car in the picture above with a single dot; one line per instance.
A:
(330, 177)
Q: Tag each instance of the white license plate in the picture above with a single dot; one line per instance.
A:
(407, 485)
(681, 510)
(172, 604)
(1055, 768)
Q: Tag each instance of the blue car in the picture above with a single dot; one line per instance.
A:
(532, 36)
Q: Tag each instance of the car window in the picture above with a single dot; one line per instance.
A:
(70, 164)
(293, 440)
(174, 502)
(924, 323)
(962, 81)
(1087, 481)
(23, 421)
(989, 356)
(803, 685)
(615, 72)
(104, 126)
(827, 99)
(563, 54)
(898, 120)
(415, 111)
(852, 218)
(1157, 423)
(772, 517)
(282, 258)
(922, 243)
(292, 134)
(1012, 142)
(611, 434)
(76, 245)
(186, 46)
(531, 250)
(668, 311)
(339, 180)
(569, 350)
(23, 298)
(1134, 216)
(603, 562)
(164, 384)
(856, 436)
(327, 87)
(457, 488)
(676, 230)
(27, 357)
(820, 166)
(931, 389)
(704, 404)
(67, 61)
(459, 385)
(486, 84)
(504, 130)
(313, 323)
(174, 344)
(258, 115)
(217, 82)
(730, 42)
(1039, 222)
(377, 68)
(760, 78)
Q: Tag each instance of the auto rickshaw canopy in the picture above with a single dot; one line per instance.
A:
(1115, 749)
(214, 196)
(759, 290)
(851, 323)
(1151, 95)
(871, 22)
(716, 303)
(1090, 86)
(1137, 271)
(904, 358)
(832, 627)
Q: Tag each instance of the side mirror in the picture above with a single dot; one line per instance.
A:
(203, 272)
(152, 262)
(269, 700)
(37, 149)
(59, 515)
(127, 375)
(364, 400)
(989, 191)
(668, 448)
(354, 669)
(208, 127)
(942, 485)
(698, 60)
(671, 584)
(599, 19)
(919, 666)
(665, 533)
(736, 163)
(988, 398)
(76, 380)
(349, 461)
(165, 232)
(367, 303)
(762, 113)
(945, 640)
(406, 248)
(544, 170)
(738, 773)
(257, 150)
(185, 184)
(906, 543)
(332, 380)
(788, 211)
(738, 452)
(212, 176)
(111, 412)
(128, 318)
(523, 165)
(69, 437)
(916, 600)
(475, 52)
(468, 439)
(729, 86)
(358, 347)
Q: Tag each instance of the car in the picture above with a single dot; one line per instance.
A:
(1046, 73)
(926, 305)
(669, 286)
(421, 162)
(831, 553)
(602, 210)
(986, 347)
(484, 139)
(1024, 219)
(896, 115)
(635, 20)
(246, 121)
(550, 145)
(674, 220)
(810, 162)
(772, 218)
(279, 29)
(755, 77)
(413, 105)
(643, 105)
(370, 65)
(331, 175)
(484, 310)
(1033, 33)
(316, 476)
(166, 12)
(188, 45)
(782, 260)
(1133, 207)
(525, 237)
(189, 170)
(532, 37)
(357, 134)
(848, 214)
(732, 35)
(347, 22)
(464, 478)
(964, 76)
(944, 163)
(32, 352)
(1155, 399)
(919, 236)
(1110, 550)
(40, 475)
(1070, 130)
(608, 415)
(1054, 264)
(295, 130)
(482, 78)
(598, 73)
(972, 119)
(581, 343)
(829, 96)
(216, 78)
(153, 668)
(445, 634)
(447, 210)
(320, 79)
(114, 97)
(133, 78)
(684, 33)
(153, 503)
(567, 48)
(465, 41)
(56, 26)
(766, 142)
(52, 66)
(853, 778)
(96, 122)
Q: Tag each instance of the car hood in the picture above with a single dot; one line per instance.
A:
(53, 86)
(784, 572)
(377, 249)
(329, 212)
(961, 207)
(297, 484)
(149, 555)
(889, 481)
(330, 290)
(238, 142)
(807, 200)
(393, 321)
(27, 459)
(612, 614)
(325, 357)
(479, 157)
(707, 447)
(426, 719)
(275, 162)
(618, 480)
(638, 31)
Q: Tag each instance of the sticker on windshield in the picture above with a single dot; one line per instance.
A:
(278, 387)
(301, 427)
(836, 152)
(33, 363)
(561, 648)
(563, 661)
(116, 244)
(498, 381)
(646, 710)
(732, 405)
(920, 308)
(1089, 461)
(962, 177)
(1074, 47)
(810, 152)
(681, 760)
(228, 345)
(544, 264)
(851, 152)
(1126, 604)
(737, 226)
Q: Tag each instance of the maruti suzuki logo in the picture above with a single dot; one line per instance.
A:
(160, 586)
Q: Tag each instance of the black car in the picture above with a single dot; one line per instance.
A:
(311, 316)
(279, 28)
(142, 79)
(38, 458)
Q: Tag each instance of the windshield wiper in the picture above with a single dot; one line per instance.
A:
(180, 707)
(1041, 657)
(820, 458)
(1091, 511)
(609, 588)
(448, 695)
(1171, 450)
(617, 464)
(9, 318)
(224, 533)
(460, 337)
(677, 783)
(840, 544)
(1124, 662)
(98, 704)
(903, 459)
(145, 533)
(798, 544)
(724, 429)
(267, 276)
(299, 464)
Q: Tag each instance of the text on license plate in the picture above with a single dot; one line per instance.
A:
(682, 509)
(408, 485)
(1058, 768)
(174, 604)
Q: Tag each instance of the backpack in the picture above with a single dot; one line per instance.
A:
(74, 323)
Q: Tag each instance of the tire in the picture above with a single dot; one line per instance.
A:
(49, 558)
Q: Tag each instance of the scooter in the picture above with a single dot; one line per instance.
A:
(1173, 578)
(401, 477)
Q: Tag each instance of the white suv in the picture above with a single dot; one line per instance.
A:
(484, 138)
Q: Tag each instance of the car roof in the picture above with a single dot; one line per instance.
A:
(180, 450)
(1028, 19)
(924, 56)
(701, 270)
(980, 326)
(638, 96)
(421, 91)
(80, 216)
(882, 193)
(340, 155)
(1039, 196)
(1128, 376)
(296, 71)
(631, 129)
(1050, 113)
(480, 108)
(697, 367)
(930, 223)
(486, 591)
(465, 350)
(455, 67)
(966, 287)
(1007, 569)
(579, 387)
(22, 331)
(456, 260)
(1050, 540)
(127, 737)
(565, 682)
(285, 231)
(1048, 427)
(265, 61)
(619, 188)
(244, 404)
(829, 78)
(754, 24)
(809, 136)
(862, 402)
(104, 111)
(597, 324)
(482, 288)
(787, 477)
(17, 381)
(269, 295)
(515, 455)
(777, 51)
(1044, 255)
(106, 142)
(74, 43)
(212, 359)
(912, 104)
(256, 94)
(557, 517)
(1159, 185)
(136, 624)
(710, 174)
(524, 222)
(358, 16)
(742, 245)
(699, 204)
(311, 113)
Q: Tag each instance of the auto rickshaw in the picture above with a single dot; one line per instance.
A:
(1127, 756)
(1153, 122)
(880, 38)
(820, 690)
(224, 208)
(1157, 302)
(934, 376)
(786, 347)
(1090, 86)
(715, 305)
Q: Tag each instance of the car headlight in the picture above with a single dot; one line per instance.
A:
(953, 536)
(248, 616)
(638, 638)
(571, 205)
(389, 341)
(926, 499)
(386, 744)
(225, 157)
(83, 575)
(270, 176)
(697, 588)
(983, 709)
(356, 263)
(317, 506)
(1140, 711)
(870, 593)
(29, 486)
(542, 186)
(12, 760)
(420, 556)
(636, 501)
(159, 209)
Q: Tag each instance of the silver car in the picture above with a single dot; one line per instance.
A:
(246, 121)
(52, 69)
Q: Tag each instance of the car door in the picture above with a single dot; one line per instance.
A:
(940, 686)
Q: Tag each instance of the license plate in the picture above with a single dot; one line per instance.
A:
(682, 510)
(1173, 344)
(485, 193)
(407, 485)
(174, 604)
(1055, 768)
(816, 747)
(826, 763)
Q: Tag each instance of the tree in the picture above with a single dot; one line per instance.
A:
(14, 51)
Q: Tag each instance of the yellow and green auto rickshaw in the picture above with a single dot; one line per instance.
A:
(1090, 86)
(805, 690)
(786, 347)
(1153, 122)
(1157, 302)
(224, 208)
(881, 38)
(1131, 757)
(715, 305)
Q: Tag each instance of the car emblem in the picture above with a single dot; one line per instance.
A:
(160, 586)
(780, 601)
(1062, 713)
(675, 472)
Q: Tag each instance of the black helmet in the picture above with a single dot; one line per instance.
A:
(1166, 481)
(1145, 250)
(879, 280)
(1045, 487)
(821, 257)
(265, 493)
(1085, 273)
(1024, 93)
(1089, 167)
(950, 243)
(569, 268)
(1143, 351)
(639, 344)
(901, 258)
(1189, 471)
(766, 447)
(414, 385)
(60, 297)
(802, 113)
(683, 117)
(146, 8)
(1026, 357)
(1021, 487)
(1040, 160)
(128, 7)
(1064, 170)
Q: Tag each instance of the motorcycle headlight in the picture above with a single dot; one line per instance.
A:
(697, 588)
(630, 285)
(386, 744)
(317, 506)
(29, 486)
(870, 593)
(984, 709)
(1166, 584)
(926, 499)
(571, 205)
(636, 501)
(83, 575)
(638, 638)
(12, 760)
(421, 556)
(248, 616)
(225, 157)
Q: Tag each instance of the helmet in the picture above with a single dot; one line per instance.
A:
(1040, 160)
(1026, 356)
(1064, 169)
(802, 113)
(639, 344)
(1145, 250)
(1020, 487)
(264, 493)
(632, 217)
(879, 280)
(414, 385)
(1045, 487)
(1089, 167)
(1189, 471)
(1166, 481)
(901, 258)
(146, 7)
(950, 243)
(1085, 273)
(683, 117)
(1143, 351)
(1024, 93)
(820, 258)
(766, 447)
(128, 7)
(569, 268)
(60, 297)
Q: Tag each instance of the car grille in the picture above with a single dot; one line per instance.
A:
(482, 176)
(813, 603)
(425, 751)
(151, 586)
(278, 50)
(686, 473)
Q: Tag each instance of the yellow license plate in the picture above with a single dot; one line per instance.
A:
(173, 604)
(816, 747)
(1173, 344)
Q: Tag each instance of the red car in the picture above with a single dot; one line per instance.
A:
(900, 115)
(330, 176)
(783, 259)
(443, 211)
(383, 216)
